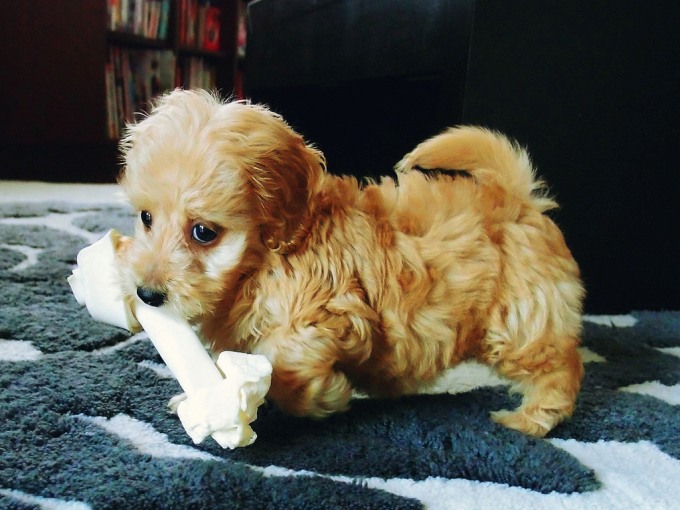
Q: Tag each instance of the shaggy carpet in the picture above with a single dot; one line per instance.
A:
(83, 419)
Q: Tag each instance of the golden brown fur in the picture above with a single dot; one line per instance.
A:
(377, 288)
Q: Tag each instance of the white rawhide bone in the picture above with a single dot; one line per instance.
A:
(95, 284)
(222, 399)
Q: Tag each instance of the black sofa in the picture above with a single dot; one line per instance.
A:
(592, 87)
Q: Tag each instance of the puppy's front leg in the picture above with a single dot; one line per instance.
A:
(306, 380)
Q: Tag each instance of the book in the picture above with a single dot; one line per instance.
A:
(211, 41)
(133, 78)
(192, 17)
(195, 72)
(113, 12)
(111, 115)
(145, 18)
(165, 19)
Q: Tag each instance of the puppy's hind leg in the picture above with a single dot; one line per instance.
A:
(548, 373)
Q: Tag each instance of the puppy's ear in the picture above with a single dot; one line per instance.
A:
(283, 172)
(283, 183)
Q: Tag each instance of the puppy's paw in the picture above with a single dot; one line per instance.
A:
(174, 402)
(519, 420)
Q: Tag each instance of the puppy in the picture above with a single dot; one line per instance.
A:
(377, 287)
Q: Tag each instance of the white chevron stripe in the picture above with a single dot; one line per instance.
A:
(44, 503)
(673, 351)
(58, 221)
(29, 252)
(635, 476)
(464, 377)
(589, 356)
(626, 470)
(145, 438)
(619, 321)
(105, 351)
(18, 350)
(161, 370)
(669, 394)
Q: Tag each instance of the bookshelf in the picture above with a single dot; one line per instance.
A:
(74, 72)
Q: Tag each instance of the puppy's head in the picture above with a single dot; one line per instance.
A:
(215, 185)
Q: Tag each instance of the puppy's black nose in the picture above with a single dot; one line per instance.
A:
(151, 297)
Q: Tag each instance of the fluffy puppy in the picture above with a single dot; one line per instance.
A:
(377, 288)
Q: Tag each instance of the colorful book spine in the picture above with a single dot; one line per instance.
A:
(145, 18)
(199, 26)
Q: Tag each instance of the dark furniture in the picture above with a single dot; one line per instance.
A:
(365, 80)
(590, 86)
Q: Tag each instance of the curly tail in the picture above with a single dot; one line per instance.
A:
(487, 156)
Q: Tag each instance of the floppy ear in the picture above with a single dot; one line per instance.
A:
(283, 173)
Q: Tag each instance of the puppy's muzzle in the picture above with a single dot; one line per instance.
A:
(151, 297)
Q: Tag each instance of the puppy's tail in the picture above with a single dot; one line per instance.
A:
(486, 156)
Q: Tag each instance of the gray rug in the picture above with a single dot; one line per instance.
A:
(83, 421)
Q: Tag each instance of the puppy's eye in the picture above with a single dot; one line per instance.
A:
(146, 219)
(203, 234)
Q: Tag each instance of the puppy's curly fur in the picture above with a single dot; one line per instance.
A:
(378, 287)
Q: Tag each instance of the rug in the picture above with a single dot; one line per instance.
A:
(84, 424)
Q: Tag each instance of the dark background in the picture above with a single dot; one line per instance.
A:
(591, 87)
